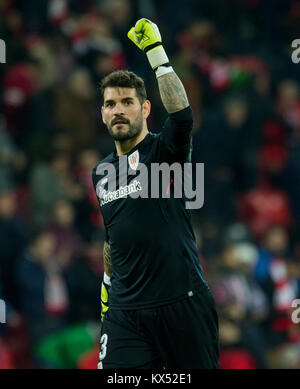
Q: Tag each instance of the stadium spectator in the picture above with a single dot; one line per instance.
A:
(68, 241)
(12, 243)
(45, 285)
(49, 183)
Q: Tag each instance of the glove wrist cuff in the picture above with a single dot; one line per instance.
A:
(161, 70)
(106, 279)
(157, 56)
(150, 47)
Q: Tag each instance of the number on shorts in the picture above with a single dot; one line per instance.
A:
(103, 343)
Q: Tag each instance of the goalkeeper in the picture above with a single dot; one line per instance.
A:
(157, 309)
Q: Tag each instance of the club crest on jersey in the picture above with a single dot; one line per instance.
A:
(133, 160)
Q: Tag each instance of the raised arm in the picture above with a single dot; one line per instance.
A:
(145, 34)
(175, 137)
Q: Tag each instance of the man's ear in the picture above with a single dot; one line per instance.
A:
(146, 108)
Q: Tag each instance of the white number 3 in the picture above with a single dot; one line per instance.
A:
(103, 343)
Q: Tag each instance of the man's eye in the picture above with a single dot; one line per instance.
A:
(128, 102)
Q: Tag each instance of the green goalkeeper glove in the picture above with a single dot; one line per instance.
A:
(146, 36)
(105, 286)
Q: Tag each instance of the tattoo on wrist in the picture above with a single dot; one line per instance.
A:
(172, 92)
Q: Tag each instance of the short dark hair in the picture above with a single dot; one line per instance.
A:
(125, 79)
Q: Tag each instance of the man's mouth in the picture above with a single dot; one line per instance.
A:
(120, 122)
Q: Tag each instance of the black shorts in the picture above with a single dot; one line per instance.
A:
(183, 334)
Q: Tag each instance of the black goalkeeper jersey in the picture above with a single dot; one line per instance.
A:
(153, 249)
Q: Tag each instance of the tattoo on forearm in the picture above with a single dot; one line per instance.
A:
(108, 267)
(172, 92)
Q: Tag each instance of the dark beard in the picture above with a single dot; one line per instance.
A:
(134, 129)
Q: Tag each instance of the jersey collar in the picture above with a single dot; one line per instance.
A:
(141, 143)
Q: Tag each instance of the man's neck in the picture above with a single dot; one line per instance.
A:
(124, 147)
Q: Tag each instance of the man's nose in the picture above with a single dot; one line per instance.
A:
(118, 109)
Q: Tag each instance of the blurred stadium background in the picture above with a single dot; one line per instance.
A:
(234, 57)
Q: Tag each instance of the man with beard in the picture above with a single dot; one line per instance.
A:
(161, 311)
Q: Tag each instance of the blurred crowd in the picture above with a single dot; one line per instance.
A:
(234, 58)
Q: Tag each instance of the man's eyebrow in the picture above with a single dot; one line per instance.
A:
(108, 101)
(112, 101)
